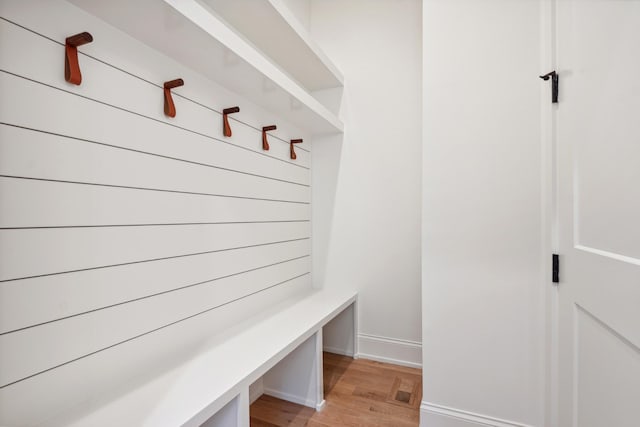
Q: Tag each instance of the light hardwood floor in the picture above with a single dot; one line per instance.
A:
(358, 393)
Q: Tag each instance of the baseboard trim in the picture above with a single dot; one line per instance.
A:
(428, 410)
(336, 350)
(390, 350)
(388, 360)
(293, 398)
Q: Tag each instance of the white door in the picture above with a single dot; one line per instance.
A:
(598, 146)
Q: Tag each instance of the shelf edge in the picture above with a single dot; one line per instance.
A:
(201, 16)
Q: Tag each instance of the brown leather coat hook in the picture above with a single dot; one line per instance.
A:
(169, 106)
(225, 119)
(265, 143)
(292, 152)
(71, 65)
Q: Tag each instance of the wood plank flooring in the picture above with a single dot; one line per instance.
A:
(360, 393)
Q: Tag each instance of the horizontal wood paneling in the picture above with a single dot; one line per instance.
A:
(30, 302)
(99, 377)
(94, 122)
(127, 238)
(36, 252)
(37, 148)
(64, 204)
(37, 349)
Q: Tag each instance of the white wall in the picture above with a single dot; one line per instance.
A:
(483, 293)
(128, 238)
(366, 188)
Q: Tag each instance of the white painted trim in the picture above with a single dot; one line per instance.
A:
(549, 213)
(612, 255)
(389, 350)
(336, 350)
(389, 360)
(201, 17)
(320, 406)
(473, 418)
(306, 38)
(243, 412)
(293, 398)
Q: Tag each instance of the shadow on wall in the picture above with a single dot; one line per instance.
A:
(327, 155)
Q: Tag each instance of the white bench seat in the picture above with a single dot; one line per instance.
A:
(195, 390)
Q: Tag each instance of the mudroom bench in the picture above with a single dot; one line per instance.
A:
(281, 349)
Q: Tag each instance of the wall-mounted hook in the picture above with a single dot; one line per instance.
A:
(292, 152)
(265, 143)
(71, 65)
(225, 119)
(169, 106)
(555, 83)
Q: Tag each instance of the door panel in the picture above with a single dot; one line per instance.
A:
(607, 365)
(604, 85)
(598, 141)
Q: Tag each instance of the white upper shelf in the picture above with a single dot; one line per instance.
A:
(272, 28)
(192, 34)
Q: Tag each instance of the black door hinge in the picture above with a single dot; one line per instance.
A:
(555, 82)
(555, 261)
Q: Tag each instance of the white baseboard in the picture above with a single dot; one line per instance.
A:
(390, 350)
(336, 350)
(432, 415)
(293, 398)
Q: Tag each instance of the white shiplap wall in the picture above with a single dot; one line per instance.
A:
(126, 237)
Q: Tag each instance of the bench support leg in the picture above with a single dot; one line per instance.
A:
(319, 371)
(243, 408)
